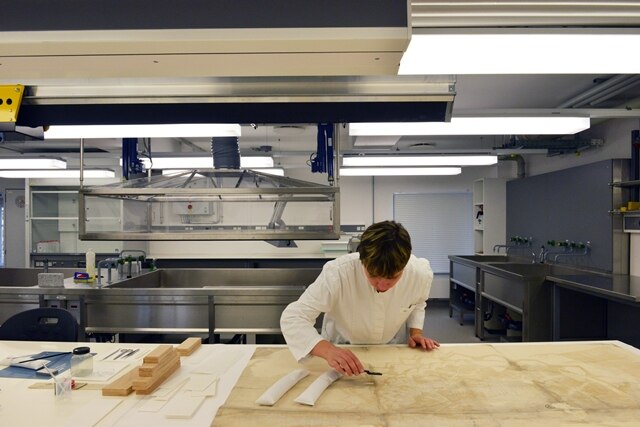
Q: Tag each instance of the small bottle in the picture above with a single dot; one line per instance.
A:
(90, 260)
(81, 362)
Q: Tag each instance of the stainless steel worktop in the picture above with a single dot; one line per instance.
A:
(617, 286)
(614, 286)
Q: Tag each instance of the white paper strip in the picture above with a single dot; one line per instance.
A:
(183, 405)
(280, 387)
(199, 382)
(313, 392)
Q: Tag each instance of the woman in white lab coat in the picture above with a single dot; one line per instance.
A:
(375, 296)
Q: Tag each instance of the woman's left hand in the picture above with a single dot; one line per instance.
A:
(418, 341)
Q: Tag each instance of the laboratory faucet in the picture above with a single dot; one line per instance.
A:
(109, 263)
(496, 248)
(130, 260)
(534, 256)
(518, 243)
(586, 247)
(132, 251)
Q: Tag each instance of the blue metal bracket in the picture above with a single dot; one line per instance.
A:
(323, 160)
(131, 164)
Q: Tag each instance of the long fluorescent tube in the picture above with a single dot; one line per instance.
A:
(142, 131)
(462, 160)
(561, 125)
(201, 162)
(58, 173)
(522, 51)
(271, 171)
(398, 171)
(32, 163)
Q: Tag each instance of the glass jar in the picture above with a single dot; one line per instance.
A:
(81, 362)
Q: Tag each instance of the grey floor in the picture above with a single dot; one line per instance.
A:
(439, 326)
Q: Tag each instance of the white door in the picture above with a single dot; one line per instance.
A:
(14, 229)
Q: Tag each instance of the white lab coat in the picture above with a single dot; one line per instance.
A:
(354, 312)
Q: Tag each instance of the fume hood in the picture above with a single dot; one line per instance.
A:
(210, 204)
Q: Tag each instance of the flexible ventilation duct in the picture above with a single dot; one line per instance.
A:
(226, 152)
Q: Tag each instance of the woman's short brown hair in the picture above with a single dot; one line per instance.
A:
(385, 248)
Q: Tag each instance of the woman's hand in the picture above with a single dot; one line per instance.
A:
(341, 359)
(418, 341)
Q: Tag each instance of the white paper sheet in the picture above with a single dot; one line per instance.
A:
(199, 382)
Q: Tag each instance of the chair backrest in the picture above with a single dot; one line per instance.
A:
(40, 324)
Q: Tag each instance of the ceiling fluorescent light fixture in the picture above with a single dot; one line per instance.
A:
(203, 162)
(32, 163)
(190, 130)
(398, 171)
(58, 173)
(391, 160)
(271, 171)
(522, 51)
(560, 125)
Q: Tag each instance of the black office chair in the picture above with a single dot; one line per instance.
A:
(40, 324)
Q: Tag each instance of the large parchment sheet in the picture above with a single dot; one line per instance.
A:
(456, 385)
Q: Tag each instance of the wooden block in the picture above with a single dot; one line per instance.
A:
(158, 353)
(147, 369)
(151, 386)
(123, 386)
(142, 381)
(188, 346)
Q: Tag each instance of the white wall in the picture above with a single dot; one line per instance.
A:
(368, 200)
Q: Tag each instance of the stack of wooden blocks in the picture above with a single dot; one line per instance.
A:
(157, 366)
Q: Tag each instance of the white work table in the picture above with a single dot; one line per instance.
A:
(21, 405)
(459, 384)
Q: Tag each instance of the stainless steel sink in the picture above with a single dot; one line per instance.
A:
(197, 301)
(521, 269)
(206, 278)
(485, 258)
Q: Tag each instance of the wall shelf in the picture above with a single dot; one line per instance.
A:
(489, 214)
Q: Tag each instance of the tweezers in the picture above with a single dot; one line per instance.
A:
(104, 358)
(131, 353)
(366, 371)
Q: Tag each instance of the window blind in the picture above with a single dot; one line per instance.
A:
(440, 224)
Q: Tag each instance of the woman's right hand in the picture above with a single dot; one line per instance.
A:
(341, 359)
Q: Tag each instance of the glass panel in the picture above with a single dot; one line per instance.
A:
(54, 204)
